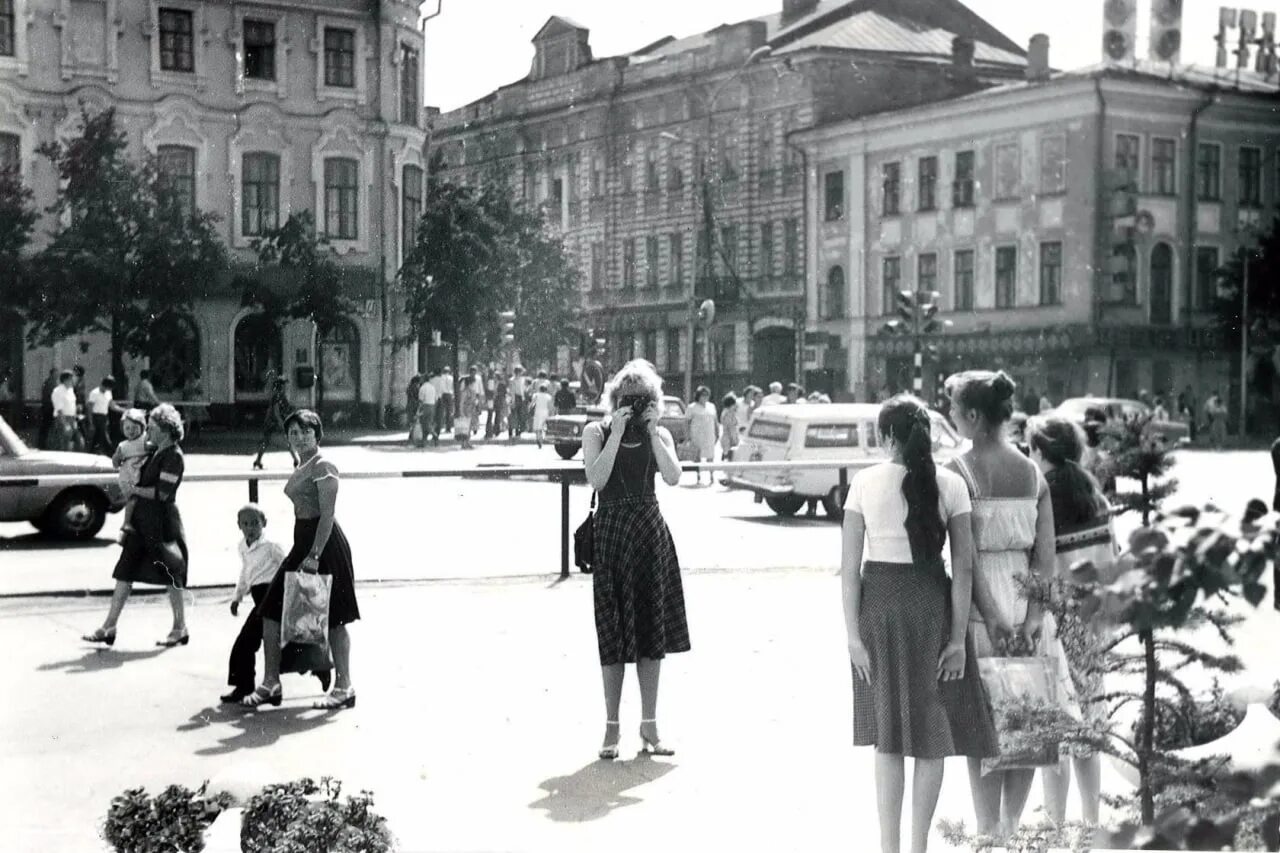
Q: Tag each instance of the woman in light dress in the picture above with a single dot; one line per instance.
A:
(543, 404)
(704, 429)
(1014, 534)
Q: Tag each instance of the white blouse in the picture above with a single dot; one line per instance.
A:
(876, 494)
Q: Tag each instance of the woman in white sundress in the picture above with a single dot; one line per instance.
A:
(1014, 534)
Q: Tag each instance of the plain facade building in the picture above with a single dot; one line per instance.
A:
(1010, 203)
(670, 174)
(255, 111)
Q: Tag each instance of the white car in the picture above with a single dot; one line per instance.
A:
(816, 432)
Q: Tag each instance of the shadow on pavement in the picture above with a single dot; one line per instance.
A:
(597, 789)
(40, 542)
(97, 660)
(257, 729)
(780, 521)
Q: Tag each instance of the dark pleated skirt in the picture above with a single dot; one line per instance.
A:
(335, 560)
(905, 620)
(155, 551)
(639, 597)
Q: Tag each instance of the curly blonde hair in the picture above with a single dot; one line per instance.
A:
(168, 418)
(635, 372)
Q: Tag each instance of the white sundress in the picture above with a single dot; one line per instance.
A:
(1004, 533)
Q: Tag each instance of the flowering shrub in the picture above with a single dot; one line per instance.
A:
(308, 817)
(173, 821)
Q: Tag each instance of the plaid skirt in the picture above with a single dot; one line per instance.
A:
(639, 597)
(905, 620)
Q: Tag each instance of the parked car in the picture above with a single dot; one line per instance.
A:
(1170, 431)
(565, 431)
(805, 433)
(64, 510)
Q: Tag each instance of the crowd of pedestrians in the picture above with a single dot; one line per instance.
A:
(487, 402)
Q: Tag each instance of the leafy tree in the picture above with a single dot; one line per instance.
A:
(318, 297)
(17, 220)
(1133, 452)
(123, 251)
(1263, 257)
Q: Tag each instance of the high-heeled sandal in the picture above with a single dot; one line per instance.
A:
(336, 700)
(264, 696)
(609, 753)
(101, 635)
(174, 640)
(652, 747)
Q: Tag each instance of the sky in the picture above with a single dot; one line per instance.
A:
(476, 46)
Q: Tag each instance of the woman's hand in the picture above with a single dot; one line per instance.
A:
(1032, 628)
(861, 661)
(310, 565)
(1002, 635)
(951, 662)
(621, 417)
(650, 418)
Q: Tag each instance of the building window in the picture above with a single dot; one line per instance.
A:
(675, 179)
(1208, 172)
(597, 266)
(1162, 284)
(891, 279)
(928, 169)
(675, 272)
(729, 249)
(410, 207)
(1053, 164)
(1250, 176)
(649, 342)
(1207, 262)
(927, 272)
(962, 187)
(1051, 273)
(1006, 276)
(629, 263)
(259, 50)
(10, 151)
(1124, 276)
(833, 184)
(7, 39)
(177, 45)
(673, 351)
(892, 183)
(652, 181)
(964, 280)
(1129, 156)
(341, 197)
(723, 349)
(409, 86)
(766, 250)
(790, 247)
(259, 194)
(178, 173)
(651, 261)
(339, 57)
(597, 179)
(1008, 171)
(1164, 167)
(831, 297)
(257, 356)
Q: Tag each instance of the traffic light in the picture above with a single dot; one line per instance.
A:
(930, 323)
(906, 303)
(507, 319)
(1119, 30)
(601, 344)
(1165, 44)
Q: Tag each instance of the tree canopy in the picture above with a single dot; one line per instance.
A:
(17, 220)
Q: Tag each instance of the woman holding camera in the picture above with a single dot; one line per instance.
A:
(639, 597)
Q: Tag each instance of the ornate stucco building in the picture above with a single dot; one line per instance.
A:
(670, 173)
(256, 110)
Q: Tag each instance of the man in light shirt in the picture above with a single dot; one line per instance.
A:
(519, 402)
(101, 401)
(427, 398)
(145, 397)
(444, 402)
(64, 410)
(775, 397)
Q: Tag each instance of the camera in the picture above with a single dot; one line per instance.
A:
(637, 404)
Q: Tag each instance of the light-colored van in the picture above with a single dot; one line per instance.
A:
(817, 432)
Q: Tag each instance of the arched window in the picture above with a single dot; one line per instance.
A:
(340, 363)
(411, 208)
(173, 350)
(1162, 284)
(178, 171)
(258, 356)
(831, 297)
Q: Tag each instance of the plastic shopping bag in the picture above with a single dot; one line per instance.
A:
(1024, 695)
(306, 609)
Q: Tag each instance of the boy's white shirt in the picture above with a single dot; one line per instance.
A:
(258, 564)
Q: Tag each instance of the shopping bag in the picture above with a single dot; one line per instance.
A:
(415, 432)
(306, 609)
(1024, 695)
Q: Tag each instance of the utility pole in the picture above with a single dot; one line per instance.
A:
(918, 318)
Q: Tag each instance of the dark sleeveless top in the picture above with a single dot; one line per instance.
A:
(631, 480)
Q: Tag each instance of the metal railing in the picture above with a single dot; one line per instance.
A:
(566, 474)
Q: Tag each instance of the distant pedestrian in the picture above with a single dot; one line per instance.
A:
(278, 410)
(566, 402)
(476, 383)
(703, 429)
(464, 422)
(775, 397)
(145, 397)
(501, 404)
(411, 399)
(427, 414)
(1046, 405)
(916, 689)
(259, 559)
(639, 598)
(1215, 416)
(63, 399)
(48, 419)
(129, 458)
(519, 402)
(729, 436)
(747, 405)
(1159, 413)
(100, 403)
(445, 411)
(155, 550)
(795, 393)
(542, 404)
(1188, 411)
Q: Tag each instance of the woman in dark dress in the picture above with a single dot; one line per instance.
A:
(319, 545)
(155, 550)
(639, 598)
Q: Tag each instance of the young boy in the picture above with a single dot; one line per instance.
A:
(259, 560)
(130, 456)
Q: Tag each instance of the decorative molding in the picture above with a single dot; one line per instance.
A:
(235, 38)
(259, 132)
(71, 61)
(409, 153)
(20, 120)
(176, 123)
(359, 93)
(344, 140)
(24, 18)
(197, 79)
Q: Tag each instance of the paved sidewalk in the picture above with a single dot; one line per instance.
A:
(478, 720)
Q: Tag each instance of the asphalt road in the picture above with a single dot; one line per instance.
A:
(434, 529)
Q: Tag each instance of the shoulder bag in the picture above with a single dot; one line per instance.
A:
(584, 540)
